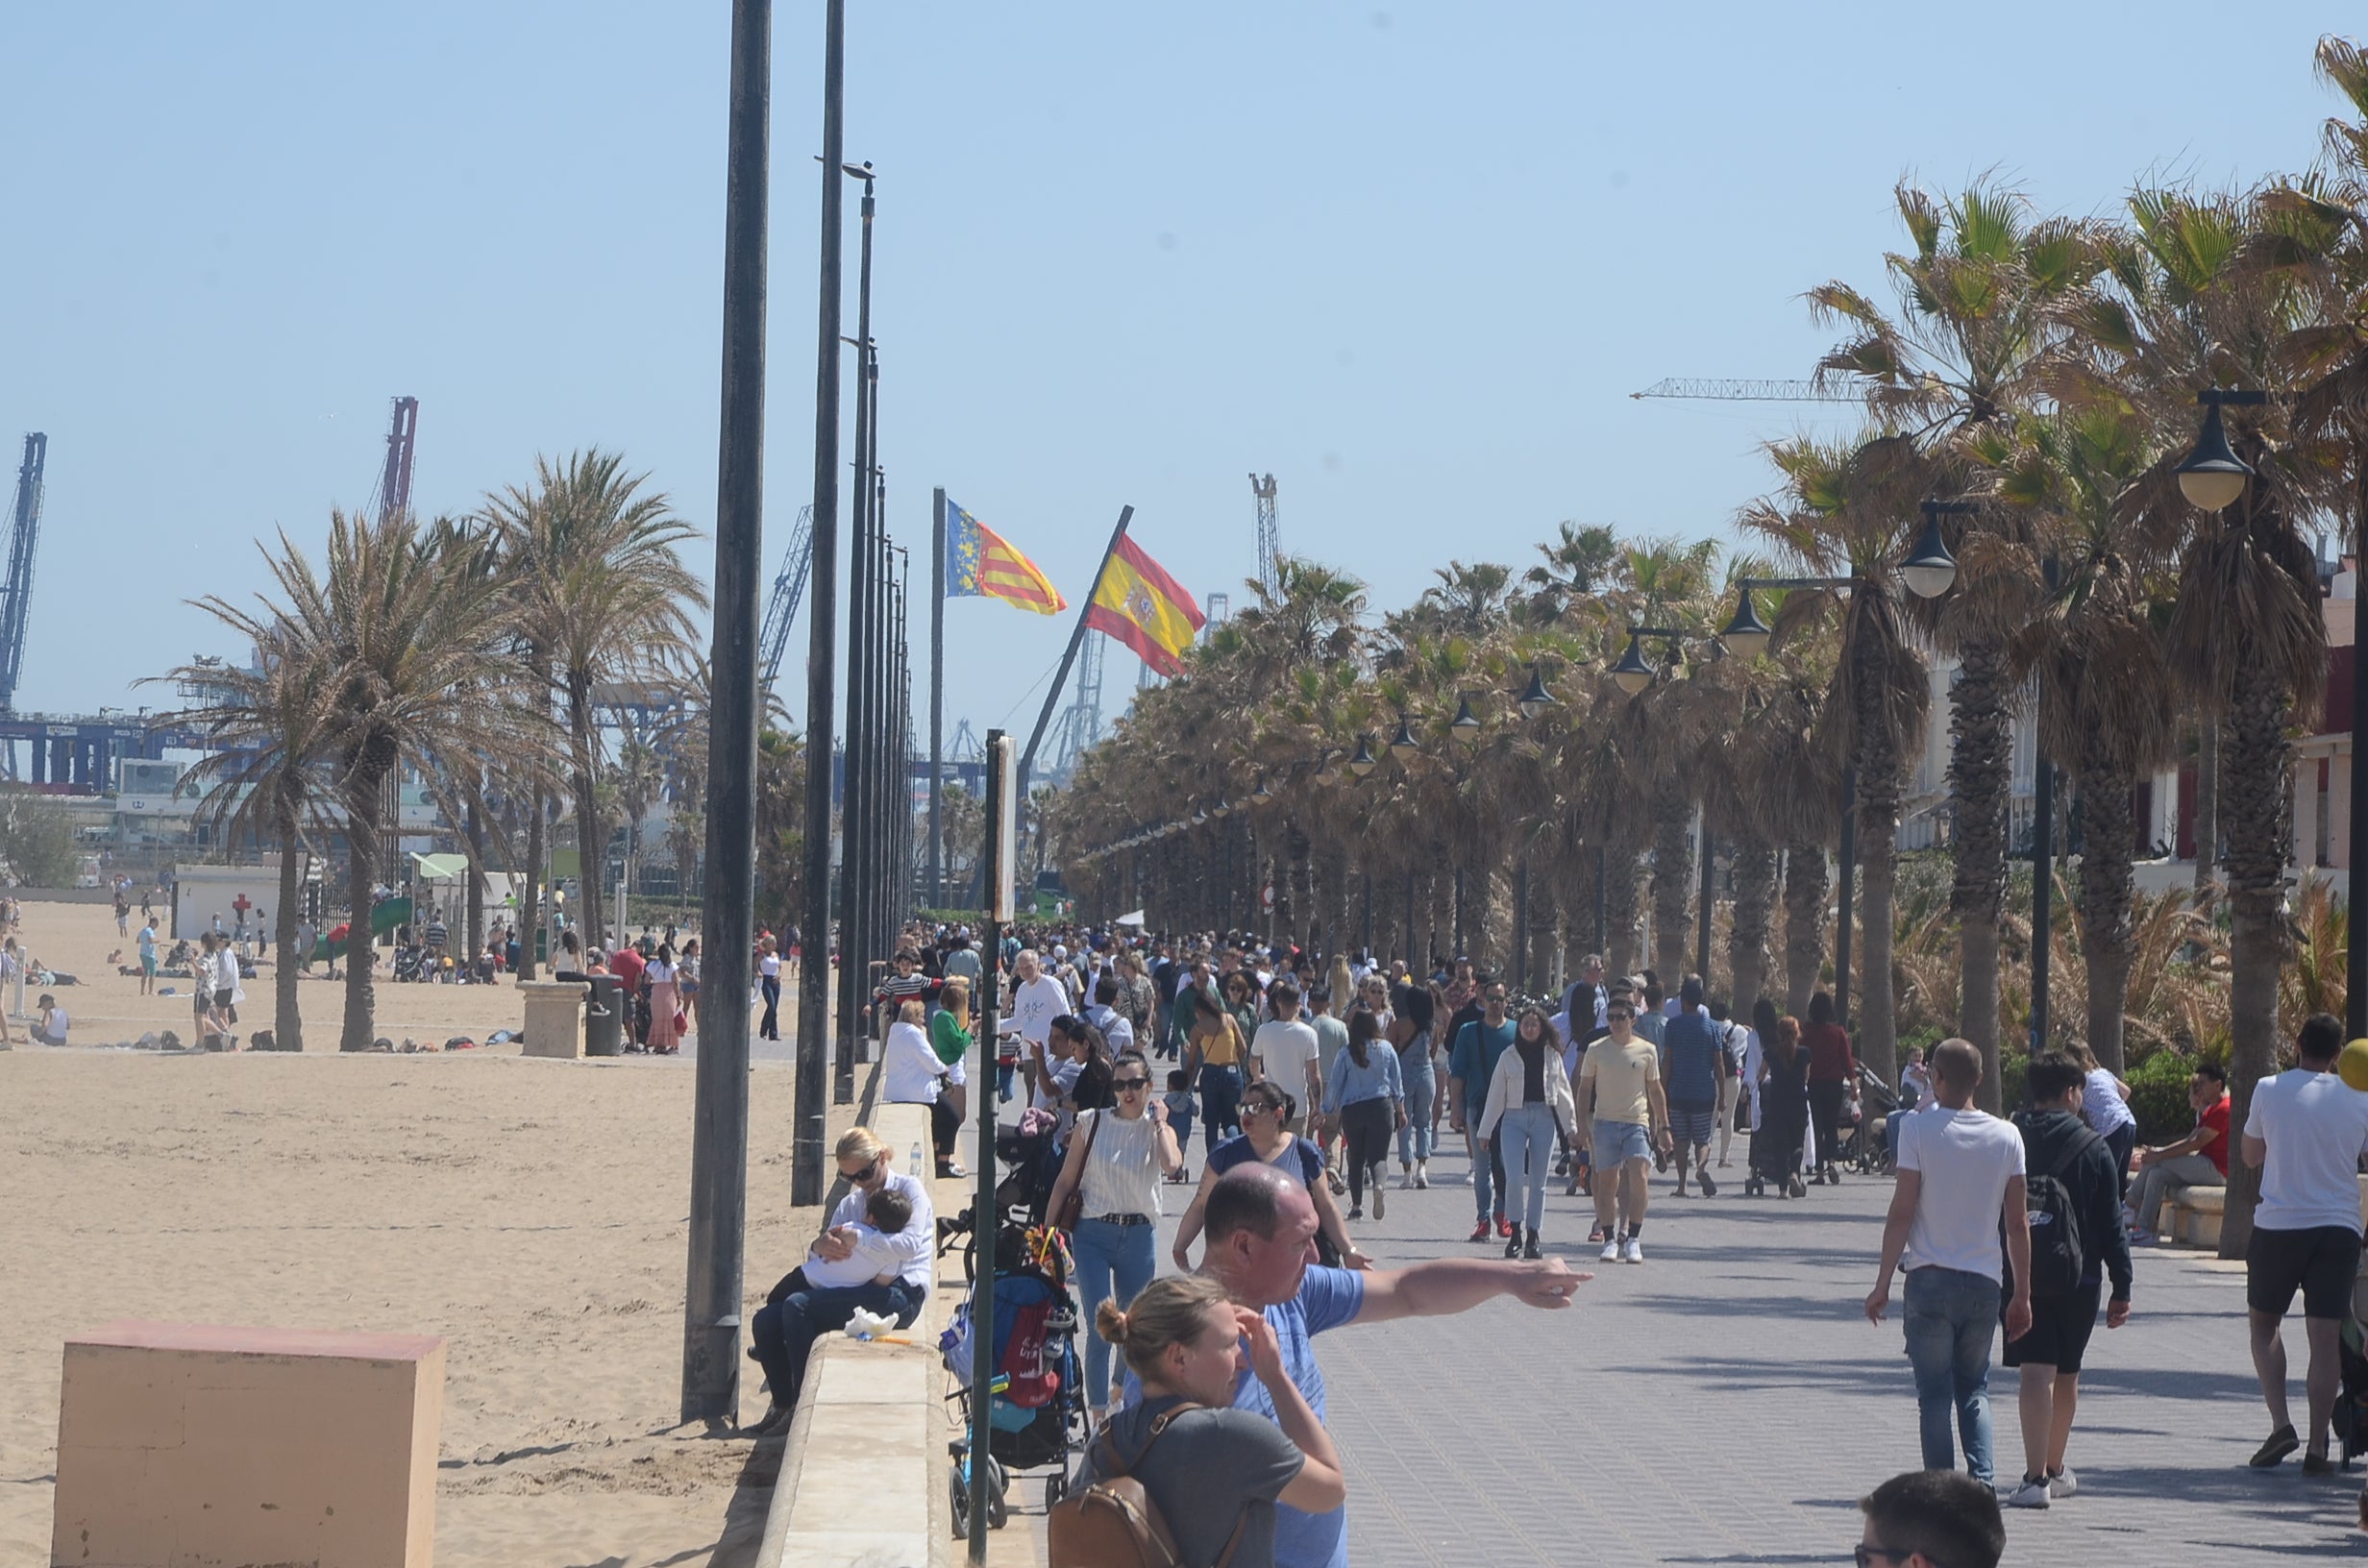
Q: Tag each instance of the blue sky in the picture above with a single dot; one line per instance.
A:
(1410, 258)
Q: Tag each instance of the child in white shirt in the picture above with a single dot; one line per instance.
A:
(873, 1262)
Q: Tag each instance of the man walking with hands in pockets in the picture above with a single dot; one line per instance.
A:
(1961, 1170)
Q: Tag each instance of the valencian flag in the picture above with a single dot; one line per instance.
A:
(1136, 602)
(980, 563)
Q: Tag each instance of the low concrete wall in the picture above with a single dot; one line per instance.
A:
(865, 1456)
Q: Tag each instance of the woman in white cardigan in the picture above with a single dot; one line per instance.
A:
(1529, 1108)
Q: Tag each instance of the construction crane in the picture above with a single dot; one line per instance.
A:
(393, 496)
(1264, 491)
(1081, 726)
(1715, 389)
(16, 590)
(788, 589)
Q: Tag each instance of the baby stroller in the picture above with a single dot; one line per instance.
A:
(1025, 1154)
(1036, 1415)
(1864, 1149)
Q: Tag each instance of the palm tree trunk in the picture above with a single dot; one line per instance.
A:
(1755, 898)
(288, 1024)
(530, 899)
(1672, 884)
(1980, 775)
(363, 806)
(591, 843)
(2207, 803)
(2109, 837)
(2258, 772)
(1809, 885)
(1620, 913)
(1882, 781)
(474, 902)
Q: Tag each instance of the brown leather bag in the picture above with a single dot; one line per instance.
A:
(1072, 1207)
(1113, 1523)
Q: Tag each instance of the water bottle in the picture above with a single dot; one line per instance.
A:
(912, 1168)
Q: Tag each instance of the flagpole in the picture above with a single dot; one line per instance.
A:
(1076, 637)
(937, 696)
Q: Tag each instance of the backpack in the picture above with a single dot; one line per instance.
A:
(2057, 1259)
(1113, 1523)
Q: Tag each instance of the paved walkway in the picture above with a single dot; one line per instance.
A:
(1727, 1403)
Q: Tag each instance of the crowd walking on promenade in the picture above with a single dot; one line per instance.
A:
(1307, 1075)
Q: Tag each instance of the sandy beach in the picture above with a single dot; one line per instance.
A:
(532, 1212)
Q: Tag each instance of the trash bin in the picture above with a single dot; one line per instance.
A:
(604, 1023)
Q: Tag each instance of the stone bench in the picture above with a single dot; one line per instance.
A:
(864, 1459)
(186, 1443)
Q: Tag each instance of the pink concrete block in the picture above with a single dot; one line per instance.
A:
(196, 1446)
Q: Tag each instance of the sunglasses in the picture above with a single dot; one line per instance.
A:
(1619, 1015)
(1125, 1086)
(1259, 1110)
(863, 1172)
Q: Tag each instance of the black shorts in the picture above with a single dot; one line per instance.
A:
(2320, 1262)
(2060, 1330)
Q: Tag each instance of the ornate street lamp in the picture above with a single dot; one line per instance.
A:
(2213, 476)
(1631, 673)
(1929, 570)
(1363, 763)
(1537, 700)
(1746, 636)
(1404, 744)
(1262, 793)
(1463, 727)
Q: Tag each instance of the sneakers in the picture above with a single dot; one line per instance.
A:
(1422, 1175)
(1611, 1251)
(1794, 1189)
(1480, 1232)
(1632, 1251)
(1381, 1201)
(2033, 1493)
(1709, 1189)
(1337, 1182)
(1504, 1226)
(2281, 1443)
(1356, 1211)
(1405, 1178)
(1594, 1234)
(2063, 1483)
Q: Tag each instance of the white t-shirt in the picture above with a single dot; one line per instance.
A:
(1967, 1158)
(2316, 1126)
(1283, 1050)
(770, 965)
(916, 1244)
(1034, 1005)
(872, 1258)
(913, 1067)
(1114, 1027)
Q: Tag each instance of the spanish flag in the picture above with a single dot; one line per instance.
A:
(980, 563)
(1136, 602)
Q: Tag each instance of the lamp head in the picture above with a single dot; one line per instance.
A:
(1537, 700)
(1746, 636)
(1631, 673)
(1929, 570)
(1363, 764)
(1262, 793)
(1463, 727)
(1404, 744)
(2212, 475)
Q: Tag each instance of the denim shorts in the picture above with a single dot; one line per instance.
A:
(1619, 1140)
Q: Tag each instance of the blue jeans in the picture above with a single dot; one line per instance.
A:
(769, 1027)
(1421, 1081)
(783, 1330)
(1526, 1137)
(1104, 1251)
(1951, 1316)
(1221, 1104)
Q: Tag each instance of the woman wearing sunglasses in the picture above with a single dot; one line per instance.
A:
(1266, 1135)
(1116, 1160)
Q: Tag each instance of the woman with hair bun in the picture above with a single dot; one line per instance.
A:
(1214, 1471)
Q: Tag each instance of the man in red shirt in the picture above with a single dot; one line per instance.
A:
(2201, 1158)
(627, 964)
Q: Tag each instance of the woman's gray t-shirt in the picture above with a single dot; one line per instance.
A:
(1204, 1469)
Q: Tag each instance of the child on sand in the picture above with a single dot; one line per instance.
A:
(873, 1262)
(49, 1029)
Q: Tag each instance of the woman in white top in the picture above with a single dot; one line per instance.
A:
(1529, 1108)
(1116, 1160)
(916, 1076)
(665, 1000)
(769, 986)
(2105, 1104)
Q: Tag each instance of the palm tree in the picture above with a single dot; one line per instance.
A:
(266, 730)
(1845, 509)
(605, 599)
(1979, 329)
(402, 623)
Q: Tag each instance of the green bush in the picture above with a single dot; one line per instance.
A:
(2013, 1076)
(2159, 1097)
(37, 841)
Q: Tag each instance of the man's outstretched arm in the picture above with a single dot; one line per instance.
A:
(1456, 1284)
